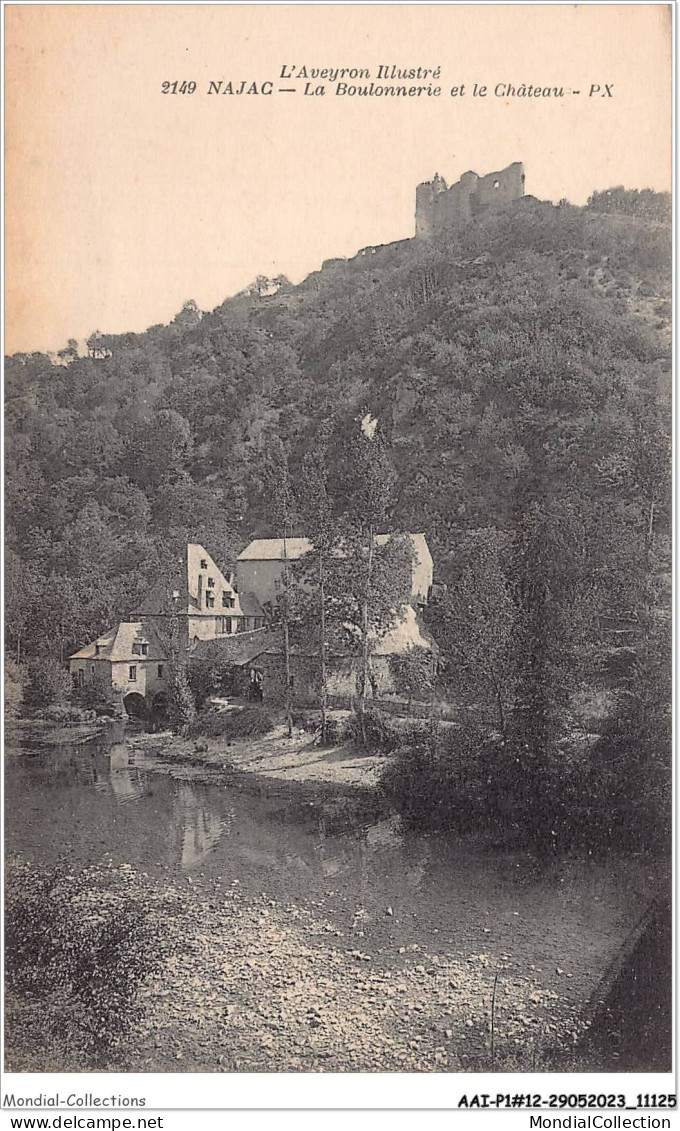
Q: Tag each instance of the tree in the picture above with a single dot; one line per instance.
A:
(413, 672)
(279, 490)
(316, 514)
(473, 625)
(369, 506)
(158, 449)
(47, 683)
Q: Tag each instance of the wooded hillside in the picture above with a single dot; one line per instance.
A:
(526, 362)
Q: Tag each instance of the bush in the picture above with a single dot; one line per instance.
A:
(339, 727)
(73, 714)
(79, 953)
(209, 673)
(246, 722)
(438, 779)
(46, 682)
(384, 732)
(13, 689)
(95, 697)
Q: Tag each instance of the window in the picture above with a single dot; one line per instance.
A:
(140, 649)
(497, 184)
(204, 564)
(211, 583)
(132, 675)
(225, 625)
(97, 649)
(92, 668)
(227, 601)
(160, 671)
(210, 600)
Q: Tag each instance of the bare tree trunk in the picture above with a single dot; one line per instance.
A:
(499, 703)
(365, 651)
(501, 713)
(324, 682)
(286, 633)
(650, 527)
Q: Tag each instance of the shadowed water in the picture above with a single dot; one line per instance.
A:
(90, 803)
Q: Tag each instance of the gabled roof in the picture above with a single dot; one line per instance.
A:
(271, 549)
(116, 644)
(102, 642)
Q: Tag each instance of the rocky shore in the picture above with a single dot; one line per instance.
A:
(251, 984)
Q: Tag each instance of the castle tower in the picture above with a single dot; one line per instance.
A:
(426, 194)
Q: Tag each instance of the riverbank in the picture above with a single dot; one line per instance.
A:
(309, 935)
(253, 984)
(47, 732)
(294, 764)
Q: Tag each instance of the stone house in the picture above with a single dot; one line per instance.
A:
(201, 601)
(260, 567)
(130, 661)
(195, 602)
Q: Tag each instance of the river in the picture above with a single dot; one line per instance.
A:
(90, 803)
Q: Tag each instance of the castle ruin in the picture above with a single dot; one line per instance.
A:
(440, 206)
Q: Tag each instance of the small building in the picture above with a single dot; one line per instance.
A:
(130, 661)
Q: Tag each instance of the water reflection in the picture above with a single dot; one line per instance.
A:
(126, 784)
(201, 823)
(85, 804)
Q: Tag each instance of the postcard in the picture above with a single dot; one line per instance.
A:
(338, 561)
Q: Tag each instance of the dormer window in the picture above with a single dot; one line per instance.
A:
(140, 649)
(204, 563)
(228, 602)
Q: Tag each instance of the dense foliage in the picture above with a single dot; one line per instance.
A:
(78, 952)
(526, 339)
(520, 375)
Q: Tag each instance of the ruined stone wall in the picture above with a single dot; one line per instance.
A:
(439, 207)
(497, 189)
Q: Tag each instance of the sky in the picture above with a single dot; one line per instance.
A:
(123, 202)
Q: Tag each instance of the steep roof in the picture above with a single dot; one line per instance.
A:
(250, 606)
(90, 650)
(116, 644)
